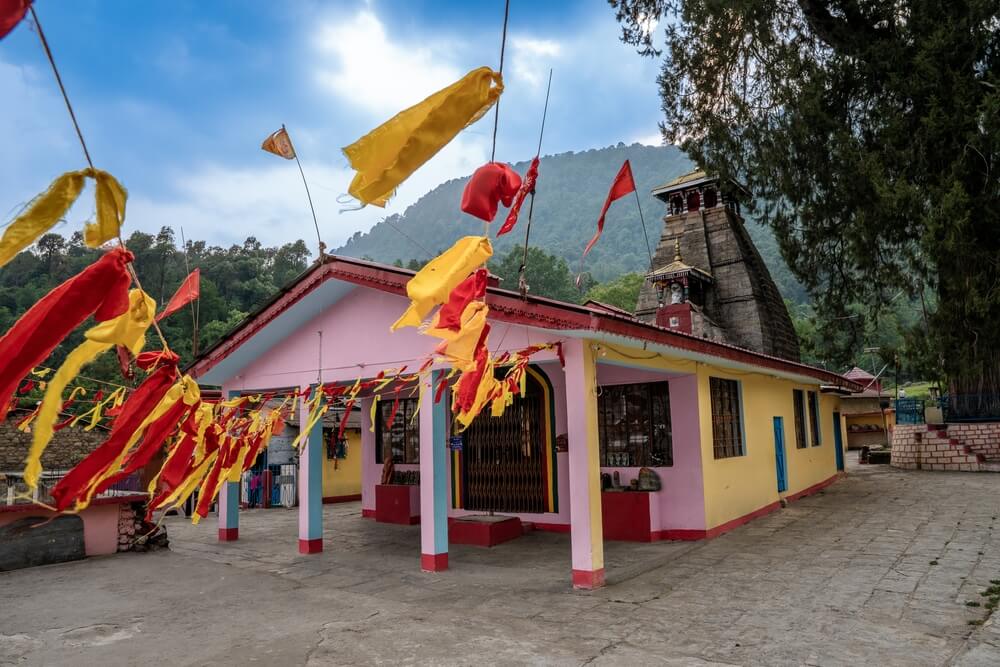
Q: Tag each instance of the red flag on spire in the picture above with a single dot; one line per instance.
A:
(622, 186)
(189, 290)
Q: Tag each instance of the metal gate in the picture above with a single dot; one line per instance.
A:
(503, 457)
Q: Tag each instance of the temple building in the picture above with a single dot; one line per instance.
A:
(708, 278)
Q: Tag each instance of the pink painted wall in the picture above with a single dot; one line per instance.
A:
(100, 526)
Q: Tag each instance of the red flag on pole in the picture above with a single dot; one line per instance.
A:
(11, 13)
(622, 186)
(189, 290)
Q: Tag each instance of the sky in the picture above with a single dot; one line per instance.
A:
(174, 99)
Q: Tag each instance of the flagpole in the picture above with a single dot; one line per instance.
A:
(194, 312)
(522, 285)
(319, 238)
(638, 205)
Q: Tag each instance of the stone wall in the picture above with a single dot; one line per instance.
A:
(968, 447)
(68, 446)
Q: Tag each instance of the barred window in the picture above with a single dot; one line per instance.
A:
(799, 406)
(403, 439)
(727, 426)
(634, 425)
(814, 418)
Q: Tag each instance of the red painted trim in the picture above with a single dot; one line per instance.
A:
(505, 306)
(678, 534)
(367, 514)
(551, 527)
(434, 562)
(588, 579)
(229, 534)
(481, 534)
(812, 489)
(110, 500)
(311, 546)
(328, 500)
(739, 521)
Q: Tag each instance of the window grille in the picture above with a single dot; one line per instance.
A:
(799, 405)
(634, 425)
(403, 439)
(727, 425)
(814, 418)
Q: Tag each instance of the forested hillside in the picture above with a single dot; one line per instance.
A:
(570, 192)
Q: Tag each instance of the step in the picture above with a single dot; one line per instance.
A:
(990, 466)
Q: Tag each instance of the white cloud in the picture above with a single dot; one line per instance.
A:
(225, 204)
(363, 66)
(654, 139)
(531, 58)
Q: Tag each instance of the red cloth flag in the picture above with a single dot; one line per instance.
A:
(467, 291)
(527, 187)
(491, 184)
(100, 290)
(622, 186)
(11, 13)
(189, 290)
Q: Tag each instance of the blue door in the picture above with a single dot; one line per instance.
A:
(838, 442)
(779, 454)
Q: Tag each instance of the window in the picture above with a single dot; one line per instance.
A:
(814, 418)
(727, 426)
(799, 401)
(403, 439)
(633, 422)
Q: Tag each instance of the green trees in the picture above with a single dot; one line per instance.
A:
(546, 275)
(870, 133)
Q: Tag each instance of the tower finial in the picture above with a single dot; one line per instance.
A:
(677, 249)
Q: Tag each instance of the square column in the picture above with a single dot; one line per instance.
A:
(433, 477)
(228, 507)
(586, 530)
(310, 486)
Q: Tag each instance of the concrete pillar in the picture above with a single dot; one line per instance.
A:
(310, 486)
(433, 478)
(228, 506)
(371, 472)
(586, 528)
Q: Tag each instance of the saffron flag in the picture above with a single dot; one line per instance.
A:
(189, 290)
(280, 144)
(622, 186)
(527, 187)
(386, 156)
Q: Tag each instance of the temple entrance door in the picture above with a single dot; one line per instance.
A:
(504, 458)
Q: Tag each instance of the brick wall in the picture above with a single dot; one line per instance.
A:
(968, 447)
(68, 446)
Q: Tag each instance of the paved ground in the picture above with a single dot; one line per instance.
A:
(876, 570)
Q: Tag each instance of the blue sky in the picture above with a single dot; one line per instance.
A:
(175, 97)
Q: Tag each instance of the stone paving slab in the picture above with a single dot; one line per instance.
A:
(877, 569)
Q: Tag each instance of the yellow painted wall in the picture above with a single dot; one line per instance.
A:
(346, 479)
(739, 485)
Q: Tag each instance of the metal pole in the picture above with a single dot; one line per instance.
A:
(319, 238)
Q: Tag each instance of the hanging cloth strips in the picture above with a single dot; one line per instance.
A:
(386, 156)
(100, 290)
(128, 329)
(450, 315)
(460, 346)
(527, 187)
(433, 283)
(50, 206)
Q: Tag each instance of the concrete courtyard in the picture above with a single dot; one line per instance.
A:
(875, 570)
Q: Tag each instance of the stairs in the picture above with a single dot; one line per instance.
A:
(941, 449)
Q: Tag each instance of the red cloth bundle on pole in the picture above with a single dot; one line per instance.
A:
(11, 13)
(100, 290)
(491, 184)
(133, 412)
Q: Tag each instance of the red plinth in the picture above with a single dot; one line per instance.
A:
(311, 546)
(626, 516)
(397, 503)
(484, 531)
(434, 562)
(229, 534)
(588, 579)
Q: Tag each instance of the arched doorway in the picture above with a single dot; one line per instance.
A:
(507, 462)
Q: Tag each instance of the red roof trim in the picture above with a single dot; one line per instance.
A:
(505, 306)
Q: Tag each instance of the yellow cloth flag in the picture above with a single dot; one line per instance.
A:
(128, 329)
(488, 384)
(433, 283)
(386, 156)
(50, 206)
(460, 346)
